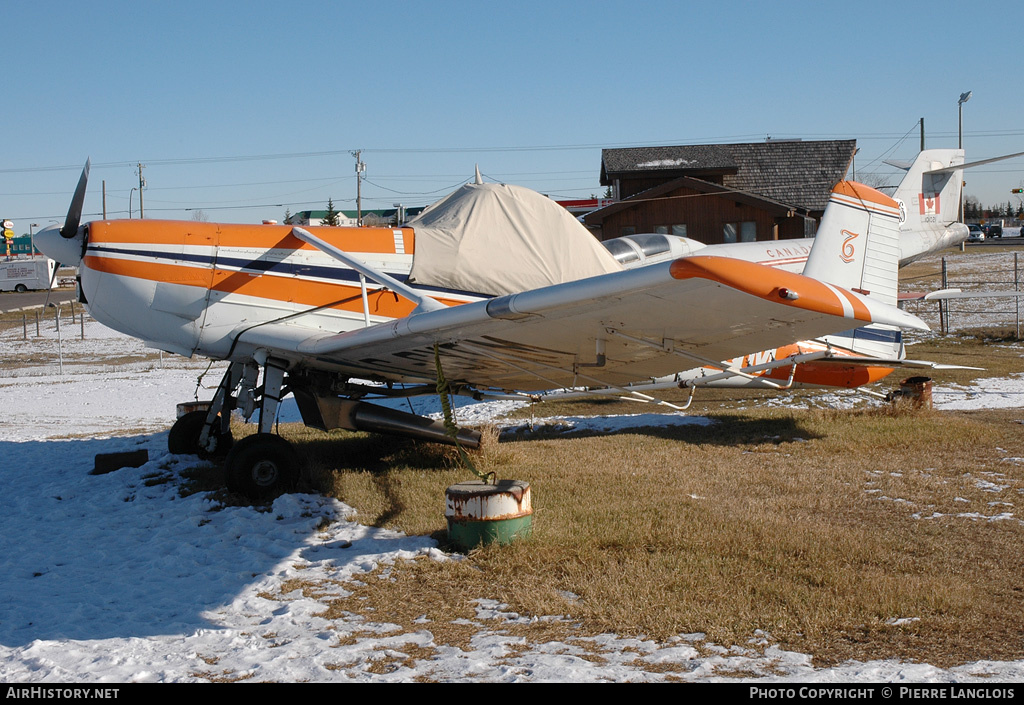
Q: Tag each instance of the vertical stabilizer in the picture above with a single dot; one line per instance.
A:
(858, 242)
(929, 198)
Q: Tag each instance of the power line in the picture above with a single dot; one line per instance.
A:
(510, 149)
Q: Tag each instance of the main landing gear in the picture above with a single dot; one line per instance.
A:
(260, 466)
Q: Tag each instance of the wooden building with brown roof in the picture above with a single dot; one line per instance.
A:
(769, 190)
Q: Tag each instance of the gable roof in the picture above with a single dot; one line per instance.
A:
(796, 172)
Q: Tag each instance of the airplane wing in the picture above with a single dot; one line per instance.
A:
(608, 330)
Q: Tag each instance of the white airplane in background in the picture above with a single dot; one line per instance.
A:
(315, 311)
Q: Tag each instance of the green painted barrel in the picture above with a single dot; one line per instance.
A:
(480, 513)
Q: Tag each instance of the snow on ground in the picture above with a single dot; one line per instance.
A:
(116, 578)
(980, 270)
(989, 393)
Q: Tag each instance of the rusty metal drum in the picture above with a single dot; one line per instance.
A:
(480, 513)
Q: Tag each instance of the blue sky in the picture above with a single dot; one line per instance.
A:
(244, 109)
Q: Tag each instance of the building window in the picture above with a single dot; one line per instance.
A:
(740, 232)
(675, 229)
(628, 230)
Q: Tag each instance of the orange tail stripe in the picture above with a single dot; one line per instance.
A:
(861, 192)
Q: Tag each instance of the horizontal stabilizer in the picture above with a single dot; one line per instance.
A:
(946, 294)
(952, 169)
(899, 164)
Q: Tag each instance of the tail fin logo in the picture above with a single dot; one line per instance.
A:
(930, 204)
(848, 250)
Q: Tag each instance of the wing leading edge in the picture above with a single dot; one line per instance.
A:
(607, 330)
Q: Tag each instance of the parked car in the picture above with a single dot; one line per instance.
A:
(993, 230)
(975, 233)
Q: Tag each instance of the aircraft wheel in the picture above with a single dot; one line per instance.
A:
(184, 437)
(262, 466)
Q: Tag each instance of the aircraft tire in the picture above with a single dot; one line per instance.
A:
(262, 466)
(184, 437)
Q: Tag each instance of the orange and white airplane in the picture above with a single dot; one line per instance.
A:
(496, 285)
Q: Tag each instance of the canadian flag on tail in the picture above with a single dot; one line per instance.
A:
(929, 204)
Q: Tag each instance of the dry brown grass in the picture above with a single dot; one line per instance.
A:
(822, 528)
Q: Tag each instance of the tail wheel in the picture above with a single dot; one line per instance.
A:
(184, 437)
(262, 466)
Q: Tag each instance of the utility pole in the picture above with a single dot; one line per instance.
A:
(922, 134)
(360, 170)
(142, 182)
(104, 199)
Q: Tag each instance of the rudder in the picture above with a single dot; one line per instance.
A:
(858, 242)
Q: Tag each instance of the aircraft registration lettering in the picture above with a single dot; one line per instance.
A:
(789, 252)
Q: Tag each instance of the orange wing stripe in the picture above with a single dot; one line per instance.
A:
(763, 282)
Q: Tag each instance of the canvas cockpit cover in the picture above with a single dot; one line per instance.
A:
(497, 239)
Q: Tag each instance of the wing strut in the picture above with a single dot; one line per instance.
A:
(423, 302)
(727, 370)
(633, 395)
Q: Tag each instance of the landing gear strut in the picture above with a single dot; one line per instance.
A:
(208, 433)
(264, 465)
(261, 466)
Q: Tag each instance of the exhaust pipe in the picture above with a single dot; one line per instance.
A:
(328, 412)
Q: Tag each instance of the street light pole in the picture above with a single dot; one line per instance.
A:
(964, 97)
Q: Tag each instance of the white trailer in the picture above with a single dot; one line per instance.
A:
(26, 273)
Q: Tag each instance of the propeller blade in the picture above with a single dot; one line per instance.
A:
(53, 278)
(70, 228)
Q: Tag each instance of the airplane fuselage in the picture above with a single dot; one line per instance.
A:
(192, 288)
(200, 284)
